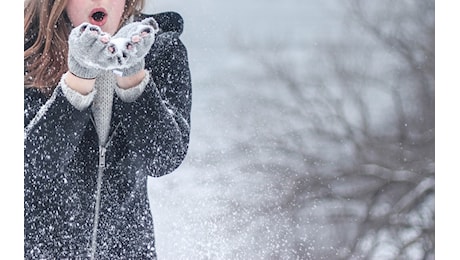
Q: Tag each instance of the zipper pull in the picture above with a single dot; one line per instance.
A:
(102, 151)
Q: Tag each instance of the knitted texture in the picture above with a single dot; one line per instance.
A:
(131, 43)
(78, 100)
(102, 99)
(102, 105)
(131, 94)
(89, 51)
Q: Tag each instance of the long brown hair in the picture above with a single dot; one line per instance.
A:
(46, 31)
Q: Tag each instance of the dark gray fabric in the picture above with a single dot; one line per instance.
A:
(149, 137)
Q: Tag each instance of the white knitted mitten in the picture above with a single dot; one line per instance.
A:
(89, 52)
(131, 43)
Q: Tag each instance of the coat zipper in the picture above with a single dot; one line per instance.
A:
(100, 171)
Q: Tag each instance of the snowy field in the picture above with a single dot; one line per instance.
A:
(193, 207)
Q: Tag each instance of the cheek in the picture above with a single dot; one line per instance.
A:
(116, 13)
(119, 8)
(75, 15)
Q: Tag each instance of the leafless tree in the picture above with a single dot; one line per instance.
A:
(351, 134)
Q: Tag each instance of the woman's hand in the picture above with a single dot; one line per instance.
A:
(131, 43)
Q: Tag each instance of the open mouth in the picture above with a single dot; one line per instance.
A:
(98, 16)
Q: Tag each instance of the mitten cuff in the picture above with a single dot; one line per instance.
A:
(131, 70)
(80, 71)
(131, 94)
(75, 98)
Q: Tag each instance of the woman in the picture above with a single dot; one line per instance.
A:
(107, 103)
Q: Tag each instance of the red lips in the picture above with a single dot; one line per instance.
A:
(98, 16)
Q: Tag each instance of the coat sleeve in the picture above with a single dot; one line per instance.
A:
(52, 129)
(158, 122)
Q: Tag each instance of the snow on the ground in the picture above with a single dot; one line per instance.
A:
(195, 209)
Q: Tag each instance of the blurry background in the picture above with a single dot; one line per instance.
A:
(313, 132)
